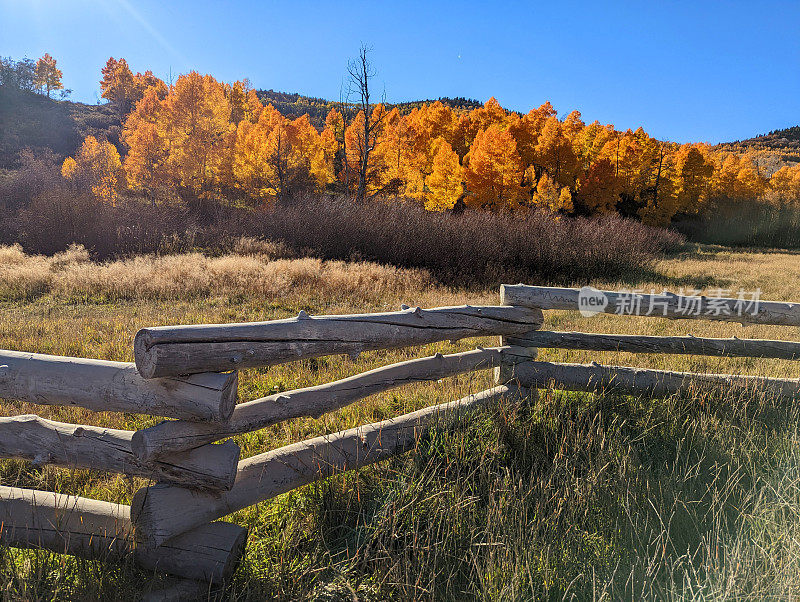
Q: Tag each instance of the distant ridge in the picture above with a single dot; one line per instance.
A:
(292, 104)
(788, 138)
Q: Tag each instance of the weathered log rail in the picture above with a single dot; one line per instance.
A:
(181, 435)
(104, 386)
(95, 529)
(189, 374)
(175, 350)
(42, 441)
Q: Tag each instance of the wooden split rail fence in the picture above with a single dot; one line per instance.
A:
(189, 374)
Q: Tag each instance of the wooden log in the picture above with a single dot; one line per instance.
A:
(733, 347)
(519, 351)
(64, 524)
(102, 531)
(209, 552)
(667, 305)
(161, 512)
(104, 386)
(172, 436)
(171, 350)
(169, 437)
(76, 446)
(623, 379)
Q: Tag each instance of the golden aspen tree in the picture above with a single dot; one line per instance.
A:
(589, 142)
(243, 101)
(494, 171)
(527, 129)
(598, 188)
(366, 168)
(276, 158)
(660, 210)
(785, 183)
(118, 85)
(572, 126)
(692, 178)
(146, 163)
(555, 154)
(627, 164)
(444, 183)
(197, 117)
(96, 167)
(491, 113)
(386, 157)
(750, 184)
(48, 75)
(549, 195)
(726, 168)
(322, 160)
(462, 135)
(145, 81)
(123, 89)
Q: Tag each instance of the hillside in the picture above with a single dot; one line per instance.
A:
(788, 138)
(30, 120)
(773, 150)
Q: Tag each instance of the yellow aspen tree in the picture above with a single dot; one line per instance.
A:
(48, 75)
(598, 189)
(494, 171)
(146, 163)
(692, 178)
(197, 120)
(97, 167)
(549, 195)
(555, 154)
(444, 183)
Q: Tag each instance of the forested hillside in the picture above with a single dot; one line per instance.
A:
(204, 139)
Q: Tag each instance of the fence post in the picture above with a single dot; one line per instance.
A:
(506, 372)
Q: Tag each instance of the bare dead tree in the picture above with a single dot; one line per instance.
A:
(344, 107)
(361, 73)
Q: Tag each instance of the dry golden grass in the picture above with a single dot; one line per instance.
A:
(253, 272)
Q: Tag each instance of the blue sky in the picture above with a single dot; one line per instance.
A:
(685, 71)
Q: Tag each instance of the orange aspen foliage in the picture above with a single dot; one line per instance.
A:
(444, 184)
(48, 76)
(692, 178)
(494, 171)
(548, 195)
(555, 154)
(96, 167)
(146, 163)
(124, 89)
(196, 123)
(357, 147)
(785, 183)
(598, 188)
(491, 113)
(276, 157)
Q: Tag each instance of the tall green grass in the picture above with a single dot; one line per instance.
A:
(751, 224)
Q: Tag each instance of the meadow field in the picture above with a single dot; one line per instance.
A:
(571, 496)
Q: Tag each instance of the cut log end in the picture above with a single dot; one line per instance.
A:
(230, 394)
(208, 553)
(145, 360)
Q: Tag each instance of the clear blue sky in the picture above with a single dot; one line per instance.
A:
(685, 71)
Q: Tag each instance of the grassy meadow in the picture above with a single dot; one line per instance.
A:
(572, 496)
